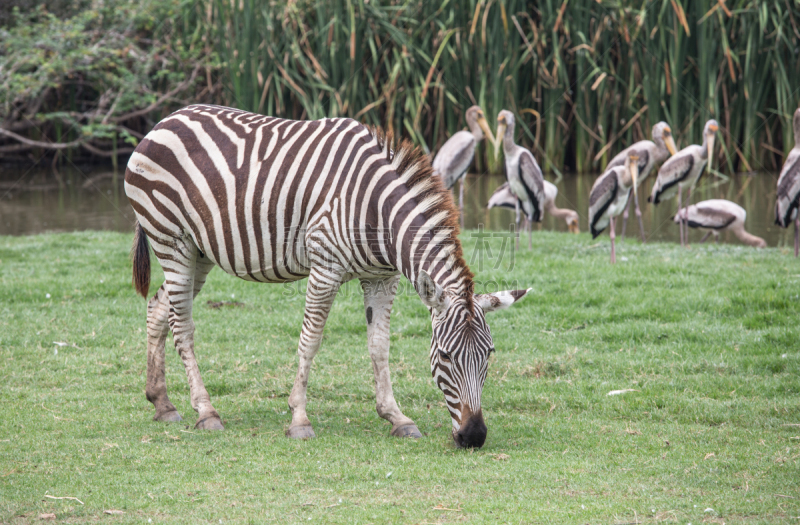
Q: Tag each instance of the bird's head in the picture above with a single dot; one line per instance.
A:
(476, 121)
(505, 124)
(573, 222)
(662, 134)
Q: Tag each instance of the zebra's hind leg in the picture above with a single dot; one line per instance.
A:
(157, 330)
(378, 297)
(185, 270)
(323, 284)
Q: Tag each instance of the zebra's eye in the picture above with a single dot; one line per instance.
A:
(443, 356)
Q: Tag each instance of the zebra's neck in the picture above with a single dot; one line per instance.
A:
(432, 245)
(422, 223)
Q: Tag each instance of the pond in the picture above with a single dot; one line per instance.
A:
(31, 201)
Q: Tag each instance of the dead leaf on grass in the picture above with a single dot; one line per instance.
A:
(47, 516)
(709, 455)
(442, 507)
(501, 457)
(113, 512)
(220, 304)
(632, 431)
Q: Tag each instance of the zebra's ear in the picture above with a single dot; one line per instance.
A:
(430, 292)
(489, 302)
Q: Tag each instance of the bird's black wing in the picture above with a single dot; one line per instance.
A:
(708, 217)
(672, 172)
(788, 195)
(644, 158)
(503, 197)
(531, 176)
(603, 194)
(454, 158)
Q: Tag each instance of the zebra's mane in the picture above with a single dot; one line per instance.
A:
(414, 166)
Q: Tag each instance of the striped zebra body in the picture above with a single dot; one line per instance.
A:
(273, 200)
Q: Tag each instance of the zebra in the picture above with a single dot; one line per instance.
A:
(275, 200)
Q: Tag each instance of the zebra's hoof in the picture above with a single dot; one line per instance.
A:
(301, 432)
(209, 423)
(407, 431)
(169, 417)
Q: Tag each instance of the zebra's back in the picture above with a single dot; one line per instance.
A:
(247, 188)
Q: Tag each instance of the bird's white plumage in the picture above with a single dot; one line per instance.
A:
(550, 192)
(526, 181)
(717, 215)
(454, 157)
(502, 197)
(714, 214)
(649, 152)
(788, 186)
(608, 198)
(681, 170)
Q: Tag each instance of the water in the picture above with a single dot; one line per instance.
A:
(754, 193)
(32, 202)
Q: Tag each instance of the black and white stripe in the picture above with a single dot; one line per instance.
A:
(273, 200)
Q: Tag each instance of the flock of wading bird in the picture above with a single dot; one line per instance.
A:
(530, 195)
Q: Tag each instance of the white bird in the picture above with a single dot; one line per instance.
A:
(718, 215)
(650, 153)
(683, 169)
(455, 157)
(503, 197)
(788, 195)
(522, 173)
(609, 197)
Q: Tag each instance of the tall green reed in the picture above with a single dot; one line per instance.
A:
(585, 78)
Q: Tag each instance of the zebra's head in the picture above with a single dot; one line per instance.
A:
(460, 347)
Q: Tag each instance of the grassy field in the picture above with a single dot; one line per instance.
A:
(707, 339)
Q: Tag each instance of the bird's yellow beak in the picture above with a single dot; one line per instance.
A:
(670, 142)
(710, 143)
(634, 167)
(498, 140)
(486, 131)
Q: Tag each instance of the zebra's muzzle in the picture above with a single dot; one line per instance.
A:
(472, 432)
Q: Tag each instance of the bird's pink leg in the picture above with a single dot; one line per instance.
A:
(705, 237)
(686, 215)
(625, 218)
(613, 234)
(796, 235)
(461, 200)
(517, 224)
(639, 217)
(530, 234)
(680, 214)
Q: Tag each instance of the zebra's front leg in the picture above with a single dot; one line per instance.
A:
(378, 297)
(323, 284)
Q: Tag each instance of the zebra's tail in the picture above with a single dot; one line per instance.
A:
(140, 255)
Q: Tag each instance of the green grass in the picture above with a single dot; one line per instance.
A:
(707, 338)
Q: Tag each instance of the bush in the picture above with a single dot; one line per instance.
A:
(100, 79)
